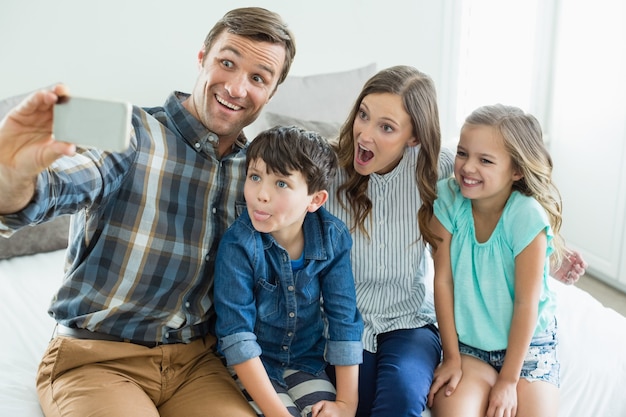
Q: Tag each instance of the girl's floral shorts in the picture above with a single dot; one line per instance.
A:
(540, 364)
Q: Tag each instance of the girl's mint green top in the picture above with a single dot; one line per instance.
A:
(484, 273)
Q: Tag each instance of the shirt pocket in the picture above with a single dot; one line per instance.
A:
(267, 298)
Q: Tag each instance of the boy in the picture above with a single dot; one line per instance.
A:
(274, 265)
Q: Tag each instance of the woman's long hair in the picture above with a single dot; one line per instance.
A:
(419, 98)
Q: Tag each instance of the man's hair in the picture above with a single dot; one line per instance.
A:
(287, 149)
(259, 24)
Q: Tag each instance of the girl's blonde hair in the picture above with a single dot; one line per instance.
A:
(419, 98)
(523, 140)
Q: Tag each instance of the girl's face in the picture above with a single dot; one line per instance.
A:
(382, 129)
(483, 167)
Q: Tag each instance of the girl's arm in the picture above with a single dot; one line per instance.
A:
(347, 399)
(529, 270)
(254, 378)
(448, 374)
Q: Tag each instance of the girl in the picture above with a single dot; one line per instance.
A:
(499, 221)
(389, 150)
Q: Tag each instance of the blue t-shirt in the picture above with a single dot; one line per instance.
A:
(484, 273)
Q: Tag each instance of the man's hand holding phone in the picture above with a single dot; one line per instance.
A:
(27, 146)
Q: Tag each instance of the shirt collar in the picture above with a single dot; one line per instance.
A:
(191, 129)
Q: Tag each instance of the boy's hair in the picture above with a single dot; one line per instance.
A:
(523, 140)
(286, 149)
(259, 24)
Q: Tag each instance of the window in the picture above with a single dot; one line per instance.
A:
(504, 56)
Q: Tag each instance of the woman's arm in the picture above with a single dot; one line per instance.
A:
(448, 374)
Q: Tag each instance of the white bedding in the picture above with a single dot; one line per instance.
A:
(592, 348)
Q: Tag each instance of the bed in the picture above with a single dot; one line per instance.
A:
(592, 347)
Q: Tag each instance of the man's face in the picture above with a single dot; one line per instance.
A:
(238, 76)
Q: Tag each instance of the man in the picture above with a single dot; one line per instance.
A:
(134, 310)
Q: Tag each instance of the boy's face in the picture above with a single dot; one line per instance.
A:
(276, 203)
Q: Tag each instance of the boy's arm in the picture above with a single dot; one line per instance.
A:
(254, 378)
(347, 384)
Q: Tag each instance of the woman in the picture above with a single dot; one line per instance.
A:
(389, 152)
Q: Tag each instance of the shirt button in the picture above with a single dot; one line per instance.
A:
(292, 314)
(206, 258)
(197, 145)
(285, 347)
(290, 288)
(290, 334)
(187, 304)
(214, 210)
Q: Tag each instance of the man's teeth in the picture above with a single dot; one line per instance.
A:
(227, 104)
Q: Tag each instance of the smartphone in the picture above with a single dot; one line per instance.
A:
(92, 123)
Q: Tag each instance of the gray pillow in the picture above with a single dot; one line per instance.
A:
(329, 130)
(45, 237)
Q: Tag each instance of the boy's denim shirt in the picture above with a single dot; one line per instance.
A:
(264, 308)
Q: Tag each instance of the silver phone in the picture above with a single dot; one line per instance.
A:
(93, 123)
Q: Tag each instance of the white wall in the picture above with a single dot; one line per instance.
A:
(140, 50)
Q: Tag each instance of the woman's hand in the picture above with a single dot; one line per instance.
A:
(572, 267)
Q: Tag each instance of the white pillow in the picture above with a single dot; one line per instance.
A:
(320, 97)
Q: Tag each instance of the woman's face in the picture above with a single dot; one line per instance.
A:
(382, 130)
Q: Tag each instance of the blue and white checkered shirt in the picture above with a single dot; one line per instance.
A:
(145, 229)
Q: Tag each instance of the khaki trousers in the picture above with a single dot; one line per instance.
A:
(95, 378)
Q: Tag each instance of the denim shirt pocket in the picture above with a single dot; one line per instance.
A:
(267, 298)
